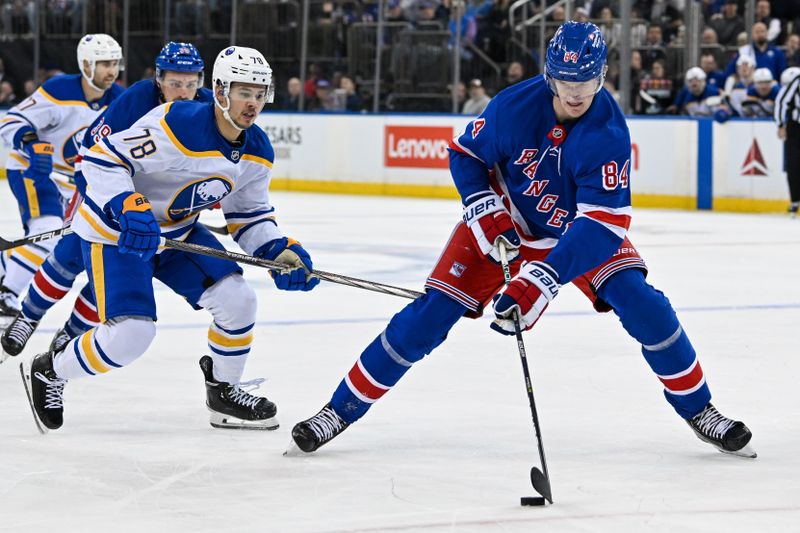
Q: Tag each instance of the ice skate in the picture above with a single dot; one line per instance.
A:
(232, 406)
(792, 210)
(60, 340)
(17, 334)
(45, 391)
(9, 307)
(728, 436)
(318, 430)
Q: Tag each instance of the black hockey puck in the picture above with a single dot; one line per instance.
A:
(528, 501)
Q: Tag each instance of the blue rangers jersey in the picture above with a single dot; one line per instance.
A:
(176, 157)
(140, 98)
(59, 114)
(565, 185)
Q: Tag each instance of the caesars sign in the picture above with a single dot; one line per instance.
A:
(417, 146)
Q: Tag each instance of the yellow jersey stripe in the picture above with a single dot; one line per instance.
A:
(99, 280)
(30, 256)
(64, 102)
(18, 158)
(177, 143)
(88, 350)
(100, 150)
(33, 199)
(221, 340)
(95, 225)
(255, 159)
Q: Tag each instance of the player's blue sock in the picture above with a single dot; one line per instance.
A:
(648, 317)
(411, 334)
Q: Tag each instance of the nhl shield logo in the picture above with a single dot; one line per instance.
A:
(235, 155)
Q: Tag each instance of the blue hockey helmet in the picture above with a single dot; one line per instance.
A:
(179, 57)
(577, 52)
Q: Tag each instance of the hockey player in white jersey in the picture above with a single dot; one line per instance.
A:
(45, 131)
(153, 180)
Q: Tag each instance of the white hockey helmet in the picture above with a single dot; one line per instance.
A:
(96, 47)
(789, 74)
(762, 75)
(243, 65)
(695, 73)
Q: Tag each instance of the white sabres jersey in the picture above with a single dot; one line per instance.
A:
(176, 157)
(59, 114)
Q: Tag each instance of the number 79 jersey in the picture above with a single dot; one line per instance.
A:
(550, 173)
(176, 157)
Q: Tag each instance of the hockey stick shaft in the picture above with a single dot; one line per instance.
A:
(541, 485)
(273, 265)
(233, 256)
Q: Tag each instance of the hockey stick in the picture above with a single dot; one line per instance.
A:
(30, 239)
(539, 480)
(273, 265)
(233, 256)
(219, 230)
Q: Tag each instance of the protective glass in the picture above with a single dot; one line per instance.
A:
(178, 85)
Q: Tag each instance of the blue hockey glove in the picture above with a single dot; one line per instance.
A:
(297, 276)
(490, 222)
(140, 233)
(40, 155)
(529, 292)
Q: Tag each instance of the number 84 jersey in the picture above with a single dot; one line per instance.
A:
(550, 173)
(176, 157)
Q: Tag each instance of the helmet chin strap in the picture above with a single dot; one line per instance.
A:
(90, 79)
(226, 108)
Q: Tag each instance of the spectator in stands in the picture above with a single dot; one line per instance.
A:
(18, 16)
(665, 13)
(514, 73)
(656, 89)
(2, 69)
(710, 45)
(760, 99)
(793, 50)
(654, 44)
(766, 55)
(478, 99)
(353, 101)
(612, 31)
(291, 100)
(728, 24)
(637, 74)
(29, 87)
(7, 96)
(773, 24)
(581, 15)
(741, 39)
(714, 76)
(314, 74)
(323, 98)
(693, 98)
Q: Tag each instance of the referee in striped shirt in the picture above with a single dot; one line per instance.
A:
(787, 116)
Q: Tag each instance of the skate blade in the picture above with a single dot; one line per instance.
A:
(747, 452)
(25, 372)
(3, 356)
(221, 421)
(293, 450)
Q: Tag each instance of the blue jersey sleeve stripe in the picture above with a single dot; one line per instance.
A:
(103, 163)
(121, 157)
(20, 115)
(242, 231)
(252, 214)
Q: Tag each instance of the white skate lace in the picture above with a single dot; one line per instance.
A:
(325, 424)
(712, 423)
(241, 395)
(54, 395)
(21, 329)
(61, 338)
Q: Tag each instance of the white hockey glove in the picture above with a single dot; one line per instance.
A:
(489, 222)
(529, 293)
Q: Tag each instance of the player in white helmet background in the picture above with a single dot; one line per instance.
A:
(187, 157)
(45, 131)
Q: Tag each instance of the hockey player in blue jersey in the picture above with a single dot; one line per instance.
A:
(45, 131)
(152, 180)
(545, 171)
(179, 76)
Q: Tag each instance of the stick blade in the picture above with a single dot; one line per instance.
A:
(541, 484)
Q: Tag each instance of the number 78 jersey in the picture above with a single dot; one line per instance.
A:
(550, 173)
(176, 157)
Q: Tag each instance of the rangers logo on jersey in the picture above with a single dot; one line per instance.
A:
(198, 195)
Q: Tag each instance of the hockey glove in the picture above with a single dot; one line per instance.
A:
(140, 233)
(40, 155)
(489, 222)
(297, 275)
(529, 293)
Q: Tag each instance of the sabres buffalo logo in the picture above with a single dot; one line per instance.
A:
(71, 146)
(197, 196)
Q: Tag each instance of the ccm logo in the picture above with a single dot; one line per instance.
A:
(417, 146)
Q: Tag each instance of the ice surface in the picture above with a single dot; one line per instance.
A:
(451, 447)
